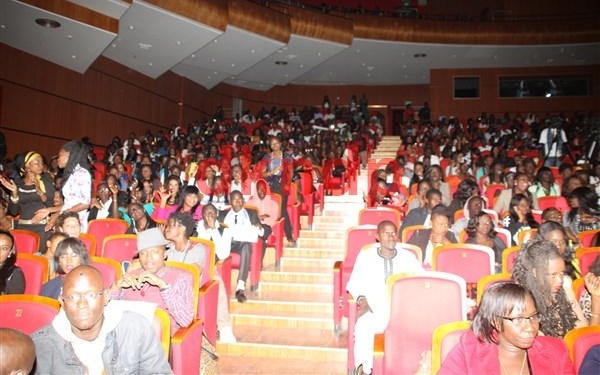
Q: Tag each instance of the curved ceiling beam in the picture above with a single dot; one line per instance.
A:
(212, 13)
(317, 25)
(492, 33)
(260, 20)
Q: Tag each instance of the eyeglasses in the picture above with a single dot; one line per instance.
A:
(68, 255)
(553, 276)
(105, 190)
(520, 320)
(89, 297)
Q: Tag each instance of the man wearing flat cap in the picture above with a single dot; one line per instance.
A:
(170, 288)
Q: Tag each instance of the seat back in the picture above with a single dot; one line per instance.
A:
(120, 247)
(509, 255)
(579, 341)
(579, 287)
(488, 280)
(374, 216)
(586, 257)
(445, 338)
(89, 242)
(585, 237)
(110, 269)
(553, 201)
(420, 302)
(26, 241)
(36, 271)
(409, 231)
(208, 273)
(491, 192)
(192, 270)
(471, 262)
(525, 235)
(356, 238)
(26, 312)
(102, 228)
(162, 327)
(504, 235)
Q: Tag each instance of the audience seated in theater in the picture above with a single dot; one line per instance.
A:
(544, 186)
(189, 202)
(422, 215)
(51, 245)
(519, 216)
(439, 234)
(370, 292)
(434, 175)
(99, 337)
(245, 228)
(170, 197)
(169, 288)
(70, 253)
(180, 226)
(105, 205)
(520, 186)
(466, 189)
(69, 224)
(504, 339)
(268, 210)
(17, 352)
(472, 206)
(585, 301)
(419, 200)
(552, 214)
(585, 211)
(481, 232)
(12, 280)
(540, 268)
(555, 233)
(141, 220)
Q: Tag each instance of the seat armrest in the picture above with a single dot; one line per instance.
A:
(207, 309)
(224, 269)
(186, 349)
(337, 295)
(378, 350)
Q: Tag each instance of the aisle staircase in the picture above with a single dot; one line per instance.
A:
(286, 327)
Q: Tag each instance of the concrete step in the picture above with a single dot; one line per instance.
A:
(296, 277)
(320, 243)
(243, 364)
(261, 320)
(273, 307)
(321, 234)
(329, 253)
(266, 287)
(317, 264)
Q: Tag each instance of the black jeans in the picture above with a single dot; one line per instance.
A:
(245, 251)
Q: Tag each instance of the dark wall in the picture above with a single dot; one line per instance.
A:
(44, 105)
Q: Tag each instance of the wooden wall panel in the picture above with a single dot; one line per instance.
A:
(442, 102)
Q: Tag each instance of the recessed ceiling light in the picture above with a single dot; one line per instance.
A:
(48, 23)
(420, 55)
(281, 62)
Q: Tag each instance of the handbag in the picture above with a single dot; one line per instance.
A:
(209, 359)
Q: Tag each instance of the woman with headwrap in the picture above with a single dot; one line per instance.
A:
(32, 191)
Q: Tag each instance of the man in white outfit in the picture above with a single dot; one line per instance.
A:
(367, 285)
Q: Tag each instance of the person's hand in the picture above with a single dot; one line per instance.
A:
(9, 184)
(50, 224)
(152, 279)
(95, 203)
(363, 308)
(114, 190)
(127, 281)
(165, 194)
(592, 284)
(437, 238)
(263, 216)
(40, 215)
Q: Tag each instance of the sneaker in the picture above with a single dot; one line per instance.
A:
(226, 336)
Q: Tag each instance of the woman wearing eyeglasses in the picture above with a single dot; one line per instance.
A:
(503, 338)
(70, 253)
(541, 269)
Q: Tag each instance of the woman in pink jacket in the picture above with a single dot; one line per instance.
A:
(503, 339)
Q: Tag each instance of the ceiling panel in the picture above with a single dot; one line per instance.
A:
(229, 54)
(152, 40)
(73, 45)
(111, 8)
